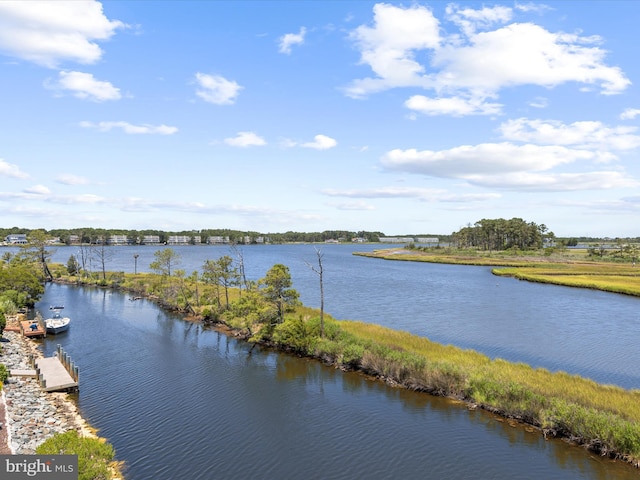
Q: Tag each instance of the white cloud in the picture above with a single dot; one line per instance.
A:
(559, 182)
(404, 48)
(217, 89)
(13, 171)
(320, 142)
(48, 33)
(37, 190)
(470, 20)
(533, 7)
(455, 106)
(245, 139)
(389, 47)
(130, 128)
(485, 159)
(70, 179)
(290, 39)
(630, 113)
(525, 54)
(585, 134)
(85, 86)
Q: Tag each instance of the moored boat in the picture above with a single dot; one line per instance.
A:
(57, 323)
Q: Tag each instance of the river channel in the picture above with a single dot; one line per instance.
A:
(179, 401)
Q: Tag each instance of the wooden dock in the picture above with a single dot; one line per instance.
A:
(27, 330)
(57, 373)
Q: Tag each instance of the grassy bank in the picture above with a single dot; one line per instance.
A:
(605, 419)
(571, 270)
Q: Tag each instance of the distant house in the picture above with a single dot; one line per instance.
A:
(16, 239)
(217, 240)
(118, 240)
(179, 240)
(151, 240)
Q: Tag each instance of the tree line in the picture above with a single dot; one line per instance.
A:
(99, 235)
(501, 234)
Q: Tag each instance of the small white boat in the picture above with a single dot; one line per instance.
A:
(57, 323)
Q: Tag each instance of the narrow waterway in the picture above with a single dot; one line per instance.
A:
(584, 332)
(180, 401)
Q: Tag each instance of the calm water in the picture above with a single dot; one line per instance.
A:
(584, 332)
(181, 402)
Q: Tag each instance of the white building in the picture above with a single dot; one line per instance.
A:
(16, 239)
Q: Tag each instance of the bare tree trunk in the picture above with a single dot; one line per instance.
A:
(320, 271)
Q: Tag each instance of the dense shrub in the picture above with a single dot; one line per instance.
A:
(94, 455)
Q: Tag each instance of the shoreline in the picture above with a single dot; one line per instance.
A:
(30, 415)
(375, 368)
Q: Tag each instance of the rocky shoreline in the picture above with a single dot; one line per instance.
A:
(32, 415)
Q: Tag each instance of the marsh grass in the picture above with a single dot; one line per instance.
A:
(613, 278)
(571, 268)
(603, 417)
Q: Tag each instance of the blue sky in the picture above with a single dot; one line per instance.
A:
(400, 117)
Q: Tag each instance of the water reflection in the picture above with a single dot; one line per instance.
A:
(181, 401)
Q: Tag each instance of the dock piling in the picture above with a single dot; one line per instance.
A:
(57, 372)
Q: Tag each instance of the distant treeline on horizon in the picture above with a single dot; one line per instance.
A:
(97, 235)
(92, 235)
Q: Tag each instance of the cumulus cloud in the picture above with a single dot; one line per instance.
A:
(542, 162)
(13, 171)
(554, 182)
(407, 47)
(484, 159)
(216, 89)
(389, 47)
(469, 20)
(320, 142)
(245, 139)
(630, 113)
(48, 33)
(290, 39)
(131, 129)
(84, 86)
(584, 134)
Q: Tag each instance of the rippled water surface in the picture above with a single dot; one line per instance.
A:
(178, 401)
(585, 332)
(181, 402)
